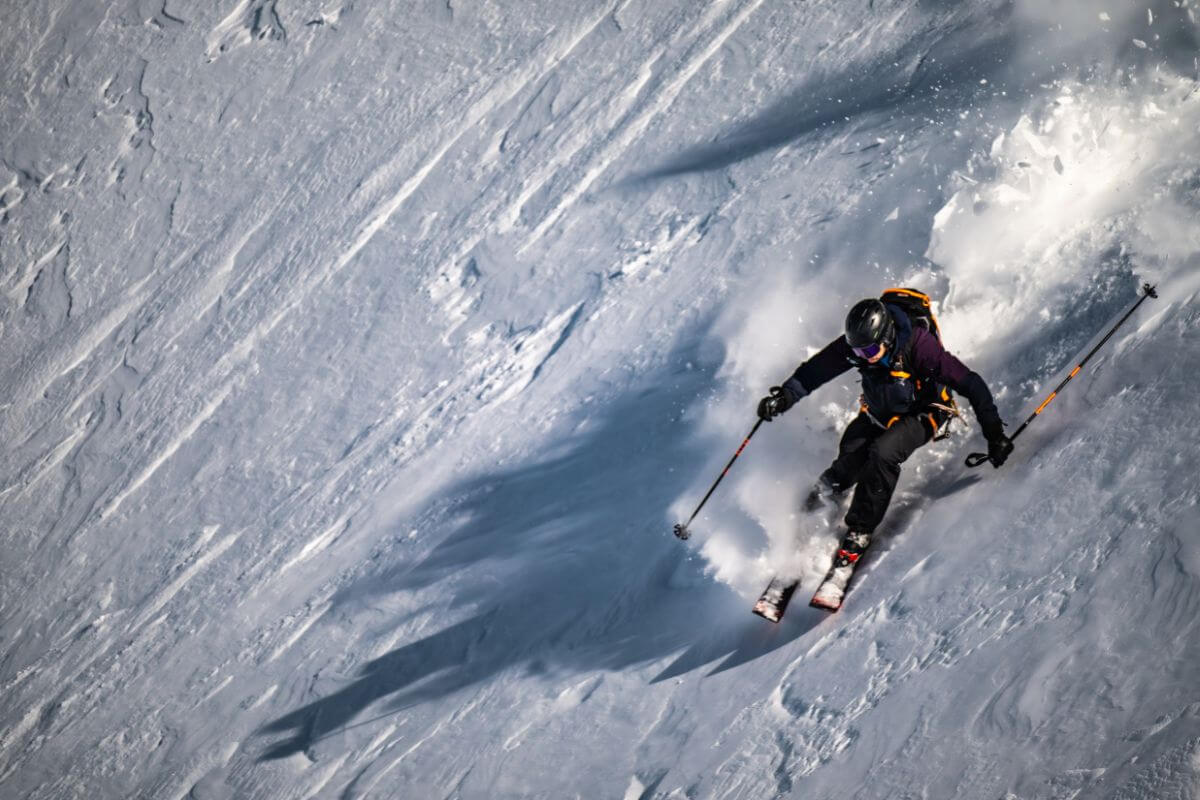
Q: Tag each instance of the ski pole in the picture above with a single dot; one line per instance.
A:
(681, 529)
(976, 459)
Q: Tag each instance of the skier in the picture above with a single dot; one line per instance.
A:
(905, 374)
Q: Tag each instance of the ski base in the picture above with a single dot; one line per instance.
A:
(775, 598)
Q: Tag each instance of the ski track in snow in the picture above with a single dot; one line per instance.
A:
(348, 382)
(241, 351)
(169, 449)
(637, 125)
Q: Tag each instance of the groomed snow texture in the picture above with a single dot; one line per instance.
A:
(358, 357)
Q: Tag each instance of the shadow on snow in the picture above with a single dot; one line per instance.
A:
(927, 78)
(566, 563)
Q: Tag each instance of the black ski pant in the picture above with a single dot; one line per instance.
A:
(870, 456)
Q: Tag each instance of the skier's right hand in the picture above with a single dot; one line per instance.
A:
(774, 404)
(998, 449)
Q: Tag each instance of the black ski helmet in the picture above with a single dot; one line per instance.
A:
(868, 323)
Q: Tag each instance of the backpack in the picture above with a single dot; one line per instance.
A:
(916, 305)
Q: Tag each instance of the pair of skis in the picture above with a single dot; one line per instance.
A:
(774, 600)
(828, 597)
(822, 501)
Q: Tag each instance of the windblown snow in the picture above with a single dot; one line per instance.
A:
(359, 358)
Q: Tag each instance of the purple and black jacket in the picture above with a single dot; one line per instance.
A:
(905, 381)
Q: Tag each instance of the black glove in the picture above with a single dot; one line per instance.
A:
(774, 404)
(998, 449)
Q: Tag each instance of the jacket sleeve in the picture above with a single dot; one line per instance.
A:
(833, 360)
(931, 360)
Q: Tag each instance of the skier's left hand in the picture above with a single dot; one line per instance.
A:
(998, 449)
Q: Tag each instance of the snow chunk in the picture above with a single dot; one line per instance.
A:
(528, 352)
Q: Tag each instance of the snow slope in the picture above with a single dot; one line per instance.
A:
(359, 357)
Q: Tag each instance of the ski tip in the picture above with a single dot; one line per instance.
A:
(768, 612)
(824, 605)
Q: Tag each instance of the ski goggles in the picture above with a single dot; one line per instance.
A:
(868, 352)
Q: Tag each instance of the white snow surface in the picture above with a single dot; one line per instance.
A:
(359, 357)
